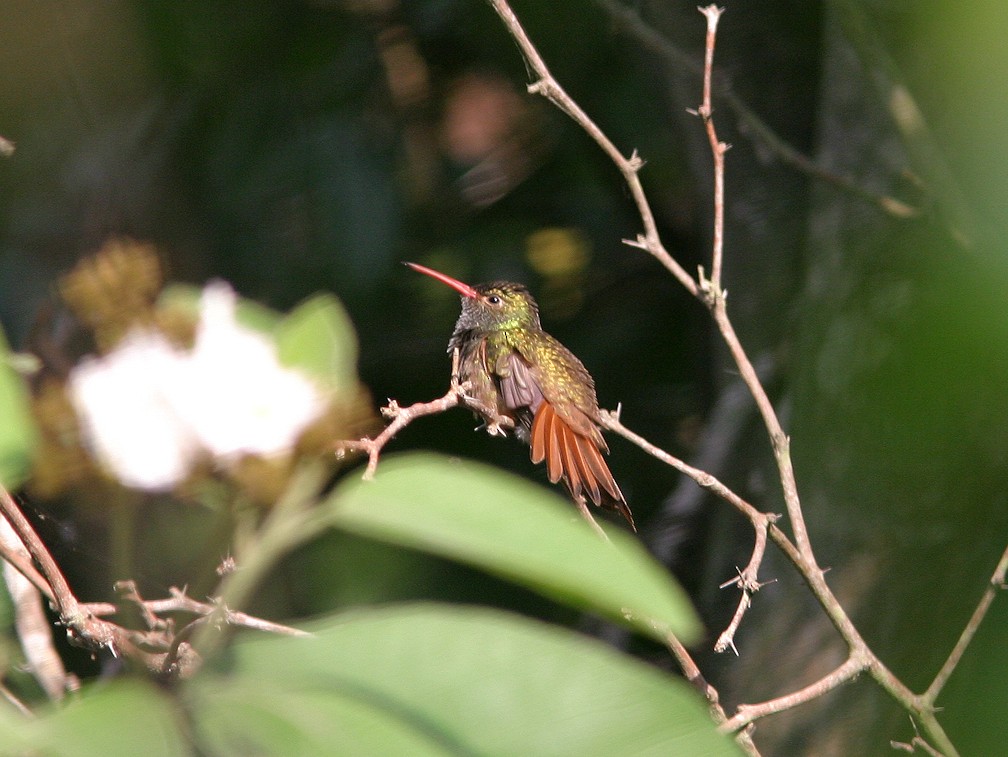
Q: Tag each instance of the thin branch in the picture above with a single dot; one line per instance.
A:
(610, 420)
(179, 602)
(16, 703)
(691, 671)
(912, 745)
(747, 713)
(20, 560)
(86, 627)
(761, 521)
(917, 741)
(715, 298)
(996, 584)
(30, 621)
(550, 88)
(401, 417)
(582, 507)
(780, 441)
(814, 579)
(66, 602)
(718, 148)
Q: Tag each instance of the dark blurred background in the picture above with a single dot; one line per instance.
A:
(291, 147)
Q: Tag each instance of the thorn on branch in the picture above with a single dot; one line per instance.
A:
(746, 582)
(639, 242)
(910, 747)
(391, 410)
(227, 566)
(540, 87)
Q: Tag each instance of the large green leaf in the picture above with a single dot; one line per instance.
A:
(432, 679)
(510, 527)
(318, 338)
(18, 435)
(124, 717)
(272, 713)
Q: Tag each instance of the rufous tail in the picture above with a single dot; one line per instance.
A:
(576, 459)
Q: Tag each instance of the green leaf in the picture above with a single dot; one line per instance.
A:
(432, 679)
(512, 528)
(271, 713)
(318, 338)
(124, 717)
(18, 435)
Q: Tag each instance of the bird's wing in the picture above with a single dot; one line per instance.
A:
(562, 430)
(571, 390)
(520, 388)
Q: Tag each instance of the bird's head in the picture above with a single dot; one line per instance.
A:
(500, 305)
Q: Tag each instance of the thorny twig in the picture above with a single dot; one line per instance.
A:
(748, 582)
(157, 648)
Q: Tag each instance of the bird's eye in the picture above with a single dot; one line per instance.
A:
(493, 299)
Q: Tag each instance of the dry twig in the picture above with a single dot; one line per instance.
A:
(159, 649)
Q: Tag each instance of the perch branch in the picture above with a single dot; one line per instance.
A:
(403, 416)
(400, 418)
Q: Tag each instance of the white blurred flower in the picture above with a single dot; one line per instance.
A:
(126, 415)
(149, 410)
(232, 390)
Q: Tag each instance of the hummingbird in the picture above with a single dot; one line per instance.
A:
(515, 370)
